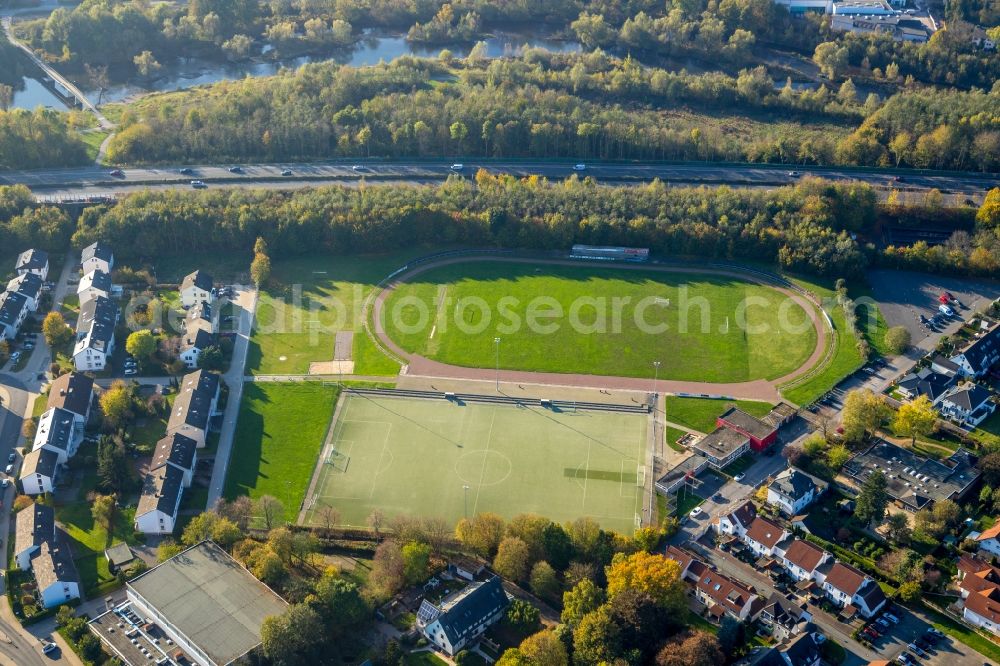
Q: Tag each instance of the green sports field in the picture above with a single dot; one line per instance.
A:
(415, 456)
(613, 321)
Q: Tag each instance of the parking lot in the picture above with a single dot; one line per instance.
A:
(904, 296)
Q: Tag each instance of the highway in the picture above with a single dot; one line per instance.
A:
(97, 181)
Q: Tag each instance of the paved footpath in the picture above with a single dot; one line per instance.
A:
(753, 390)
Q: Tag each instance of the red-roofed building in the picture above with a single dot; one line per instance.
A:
(983, 610)
(989, 540)
(979, 583)
(802, 558)
(766, 538)
(846, 586)
(725, 596)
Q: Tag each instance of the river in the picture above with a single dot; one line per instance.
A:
(369, 51)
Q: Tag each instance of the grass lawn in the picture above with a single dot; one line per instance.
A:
(278, 438)
(152, 428)
(845, 360)
(71, 307)
(440, 459)
(672, 435)
(424, 659)
(988, 433)
(93, 141)
(223, 267)
(88, 539)
(601, 320)
(700, 413)
(964, 634)
(368, 360)
(308, 300)
(663, 507)
(698, 622)
(687, 501)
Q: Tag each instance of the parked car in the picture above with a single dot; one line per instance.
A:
(5, 484)
(131, 372)
(892, 618)
(48, 646)
(12, 457)
(15, 357)
(739, 477)
(945, 310)
(695, 512)
(9, 470)
(931, 631)
(883, 624)
(357, 167)
(870, 633)
(913, 648)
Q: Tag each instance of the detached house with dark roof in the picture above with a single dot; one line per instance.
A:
(97, 257)
(13, 312)
(846, 586)
(94, 284)
(925, 382)
(60, 432)
(73, 392)
(178, 451)
(38, 471)
(196, 402)
(793, 490)
(459, 620)
(738, 521)
(197, 287)
(967, 404)
(980, 355)
(782, 619)
(28, 285)
(159, 500)
(55, 574)
(192, 344)
(33, 261)
(95, 334)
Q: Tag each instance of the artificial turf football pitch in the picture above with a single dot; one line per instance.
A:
(446, 460)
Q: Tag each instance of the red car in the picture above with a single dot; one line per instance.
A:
(943, 298)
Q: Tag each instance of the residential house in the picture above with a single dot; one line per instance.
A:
(685, 560)
(13, 312)
(73, 392)
(782, 619)
(200, 317)
(197, 288)
(793, 490)
(725, 596)
(38, 471)
(55, 575)
(945, 366)
(34, 525)
(33, 261)
(846, 586)
(97, 257)
(767, 538)
(178, 451)
(28, 285)
(803, 650)
(95, 334)
(967, 404)
(980, 355)
(979, 584)
(738, 521)
(159, 500)
(460, 619)
(194, 406)
(193, 343)
(802, 560)
(93, 285)
(925, 382)
(989, 540)
(468, 568)
(722, 446)
(60, 432)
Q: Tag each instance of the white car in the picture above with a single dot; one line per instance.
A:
(457, 167)
(695, 512)
(739, 477)
(15, 357)
(579, 167)
(945, 310)
(198, 184)
(48, 646)
(793, 174)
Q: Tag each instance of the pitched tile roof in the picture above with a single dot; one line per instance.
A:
(161, 489)
(751, 425)
(459, 616)
(845, 578)
(967, 396)
(53, 564)
(744, 514)
(793, 484)
(985, 604)
(804, 555)
(176, 449)
(199, 279)
(726, 592)
(55, 429)
(764, 532)
(26, 284)
(990, 533)
(97, 250)
(39, 461)
(12, 304)
(32, 260)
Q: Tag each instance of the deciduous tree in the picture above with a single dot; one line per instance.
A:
(915, 418)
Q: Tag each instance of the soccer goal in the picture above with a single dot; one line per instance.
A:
(338, 460)
(640, 476)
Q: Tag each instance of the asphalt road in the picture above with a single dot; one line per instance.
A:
(94, 180)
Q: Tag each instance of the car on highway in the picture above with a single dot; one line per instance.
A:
(695, 512)
(457, 167)
(235, 169)
(579, 167)
(793, 174)
(357, 167)
(186, 171)
(739, 477)
(198, 184)
(286, 172)
(117, 173)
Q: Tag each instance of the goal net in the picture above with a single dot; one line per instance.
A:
(339, 461)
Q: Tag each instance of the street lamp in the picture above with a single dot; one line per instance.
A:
(466, 489)
(496, 341)
(656, 375)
